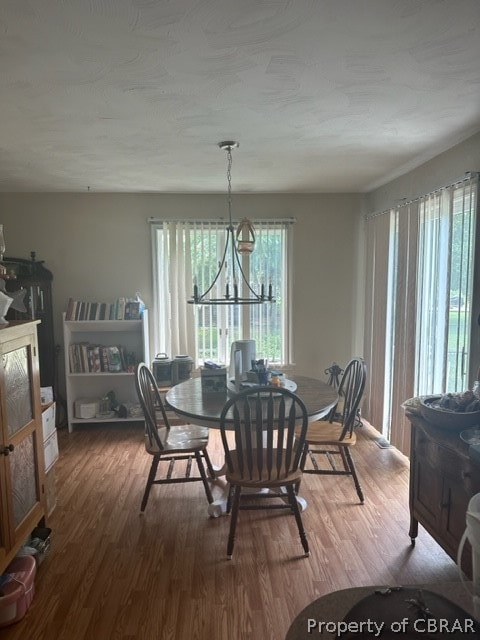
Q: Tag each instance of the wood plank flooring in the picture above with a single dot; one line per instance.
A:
(115, 574)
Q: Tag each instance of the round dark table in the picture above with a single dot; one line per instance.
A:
(187, 400)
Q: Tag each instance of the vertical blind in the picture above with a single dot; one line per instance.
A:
(190, 250)
(418, 311)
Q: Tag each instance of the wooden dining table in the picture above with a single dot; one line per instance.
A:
(189, 402)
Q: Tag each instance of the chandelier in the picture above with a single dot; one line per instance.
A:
(239, 241)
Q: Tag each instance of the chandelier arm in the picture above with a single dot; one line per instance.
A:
(244, 278)
(236, 264)
(220, 267)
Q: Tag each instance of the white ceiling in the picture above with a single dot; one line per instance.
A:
(322, 95)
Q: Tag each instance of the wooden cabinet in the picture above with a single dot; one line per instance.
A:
(89, 384)
(22, 475)
(443, 478)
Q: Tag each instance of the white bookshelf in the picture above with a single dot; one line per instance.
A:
(132, 334)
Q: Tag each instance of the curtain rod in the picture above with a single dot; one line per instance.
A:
(196, 221)
(403, 202)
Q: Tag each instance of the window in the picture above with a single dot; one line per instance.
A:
(188, 251)
(444, 294)
(419, 303)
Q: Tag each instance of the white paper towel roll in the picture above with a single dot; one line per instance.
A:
(247, 349)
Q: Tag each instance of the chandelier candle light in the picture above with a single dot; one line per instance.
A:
(239, 242)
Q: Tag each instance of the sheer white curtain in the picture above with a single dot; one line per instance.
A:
(174, 318)
(375, 348)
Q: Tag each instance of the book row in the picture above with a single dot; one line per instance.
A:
(85, 357)
(121, 309)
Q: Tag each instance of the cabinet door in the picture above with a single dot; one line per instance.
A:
(21, 442)
(4, 528)
(428, 494)
(454, 503)
(426, 482)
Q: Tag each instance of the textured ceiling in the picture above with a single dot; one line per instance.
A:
(323, 95)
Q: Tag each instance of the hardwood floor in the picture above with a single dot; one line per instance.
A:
(115, 574)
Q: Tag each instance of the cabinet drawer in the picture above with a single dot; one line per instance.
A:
(51, 490)
(51, 451)
(48, 421)
(459, 469)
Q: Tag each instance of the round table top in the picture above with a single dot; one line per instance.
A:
(334, 606)
(187, 400)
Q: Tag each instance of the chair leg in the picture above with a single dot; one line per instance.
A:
(151, 477)
(233, 522)
(353, 471)
(296, 512)
(303, 457)
(211, 470)
(201, 468)
(343, 455)
(229, 499)
(297, 486)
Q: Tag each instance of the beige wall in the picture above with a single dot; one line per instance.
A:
(444, 169)
(98, 248)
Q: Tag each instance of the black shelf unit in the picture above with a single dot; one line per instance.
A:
(36, 279)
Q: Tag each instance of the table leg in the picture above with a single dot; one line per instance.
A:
(218, 507)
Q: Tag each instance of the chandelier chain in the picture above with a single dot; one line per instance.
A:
(229, 181)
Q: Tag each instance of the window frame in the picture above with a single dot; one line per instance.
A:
(161, 328)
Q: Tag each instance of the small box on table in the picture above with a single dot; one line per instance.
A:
(214, 380)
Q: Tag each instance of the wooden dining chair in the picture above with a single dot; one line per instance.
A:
(170, 443)
(335, 436)
(257, 428)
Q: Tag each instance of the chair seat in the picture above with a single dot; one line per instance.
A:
(277, 479)
(324, 432)
(182, 437)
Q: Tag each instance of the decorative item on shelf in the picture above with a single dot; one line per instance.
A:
(119, 408)
(86, 408)
(5, 273)
(238, 289)
(13, 299)
(5, 303)
(17, 297)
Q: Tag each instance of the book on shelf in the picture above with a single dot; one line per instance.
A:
(85, 357)
(122, 309)
(132, 310)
